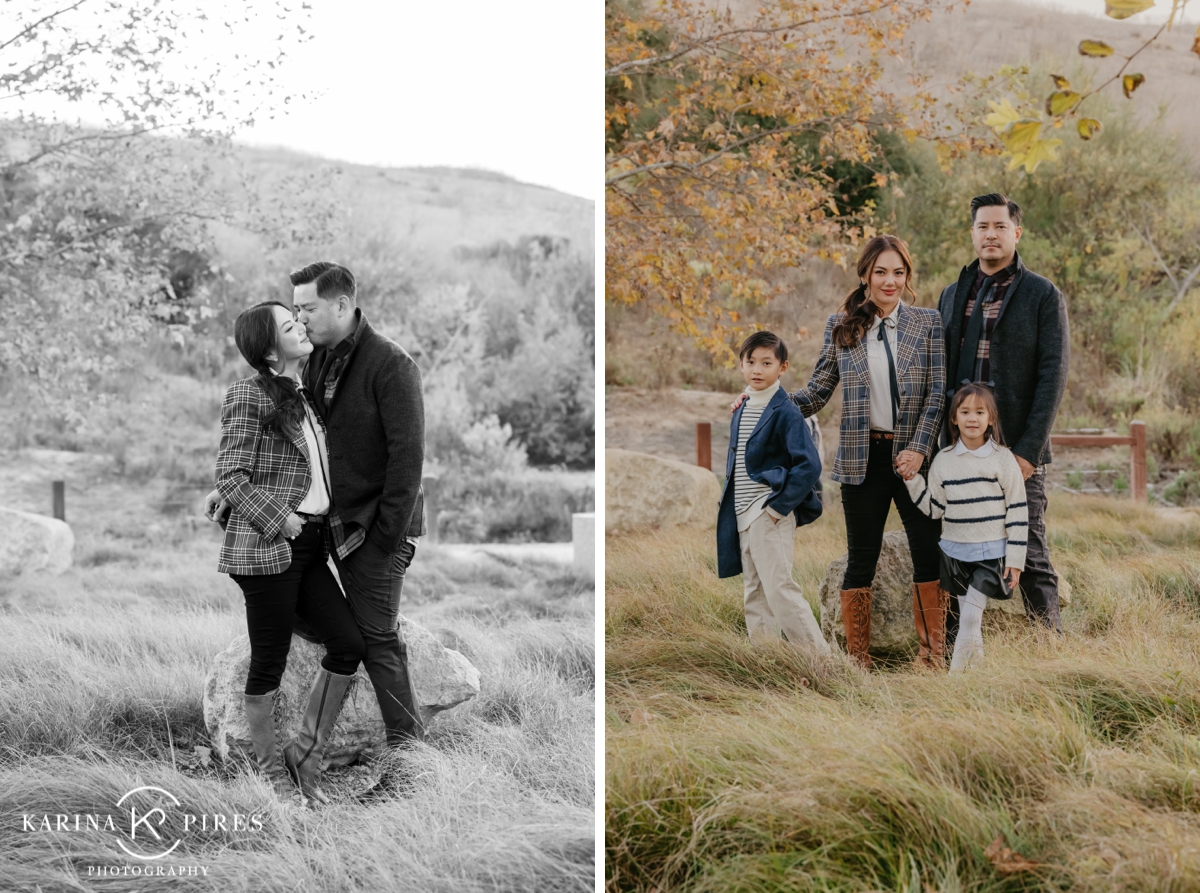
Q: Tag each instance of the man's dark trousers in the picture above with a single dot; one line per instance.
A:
(1039, 582)
(373, 580)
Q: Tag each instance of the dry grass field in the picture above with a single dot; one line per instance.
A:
(101, 677)
(1061, 764)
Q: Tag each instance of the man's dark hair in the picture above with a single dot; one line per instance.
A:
(764, 339)
(997, 199)
(332, 280)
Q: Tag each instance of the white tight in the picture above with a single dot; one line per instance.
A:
(968, 646)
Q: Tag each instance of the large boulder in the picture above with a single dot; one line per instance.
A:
(30, 542)
(641, 490)
(893, 631)
(443, 678)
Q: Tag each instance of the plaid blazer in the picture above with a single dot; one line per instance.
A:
(264, 475)
(920, 373)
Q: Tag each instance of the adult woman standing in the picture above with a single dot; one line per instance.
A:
(889, 359)
(273, 470)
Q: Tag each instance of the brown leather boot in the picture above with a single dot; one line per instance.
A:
(856, 618)
(930, 603)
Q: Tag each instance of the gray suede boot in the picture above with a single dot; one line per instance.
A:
(261, 714)
(304, 753)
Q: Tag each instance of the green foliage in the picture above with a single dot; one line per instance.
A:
(1184, 490)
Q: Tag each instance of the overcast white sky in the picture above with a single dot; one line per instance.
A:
(512, 87)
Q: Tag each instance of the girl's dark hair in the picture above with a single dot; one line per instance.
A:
(256, 335)
(859, 309)
(984, 393)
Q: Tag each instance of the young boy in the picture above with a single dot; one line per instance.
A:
(769, 478)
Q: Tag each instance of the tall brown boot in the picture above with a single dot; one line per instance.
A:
(930, 603)
(856, 618)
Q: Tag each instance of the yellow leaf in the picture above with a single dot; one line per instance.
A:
(1094, 48)
(1088, 127)
(1123, 9)
(1061, 82)
(1020, 135)
(627, 82)
(1196, 45)
(1042, 150)
(1062, 101)
(1002, 115)
(1131, 82)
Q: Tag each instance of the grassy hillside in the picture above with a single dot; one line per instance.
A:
(101, 679)
(732, 768)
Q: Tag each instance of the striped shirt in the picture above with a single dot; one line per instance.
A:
(980, 499)
(748, 494)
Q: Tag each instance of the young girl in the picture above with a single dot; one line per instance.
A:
(975, 486)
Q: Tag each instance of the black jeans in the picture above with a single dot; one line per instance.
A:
(309, 589)
(866, 508)
(1039, 580)
(374, 580)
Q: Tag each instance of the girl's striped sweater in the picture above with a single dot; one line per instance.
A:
(979, 499)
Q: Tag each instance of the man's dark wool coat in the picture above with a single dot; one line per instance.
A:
(1030, 352)
(375, 426)
(779, 453)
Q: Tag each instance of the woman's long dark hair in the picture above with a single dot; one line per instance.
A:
(859, 309)
(256, 335)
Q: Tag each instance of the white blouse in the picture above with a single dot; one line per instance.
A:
(877, 368)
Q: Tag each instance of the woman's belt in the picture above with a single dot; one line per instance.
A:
(882, 435)
(312, 519)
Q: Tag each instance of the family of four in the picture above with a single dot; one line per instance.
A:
(946, 413)
(321, 456)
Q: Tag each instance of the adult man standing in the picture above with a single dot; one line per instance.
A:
(367, 390)
(1007, 326)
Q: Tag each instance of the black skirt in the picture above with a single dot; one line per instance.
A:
(986, 576)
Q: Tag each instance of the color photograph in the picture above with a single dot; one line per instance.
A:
(901, 446)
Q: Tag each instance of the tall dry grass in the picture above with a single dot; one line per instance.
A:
(104, 694)
(737, 768)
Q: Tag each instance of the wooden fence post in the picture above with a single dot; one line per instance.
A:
(58, 498)
(1137, 461)
(704, 445)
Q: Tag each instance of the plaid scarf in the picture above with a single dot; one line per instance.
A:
(991, 312)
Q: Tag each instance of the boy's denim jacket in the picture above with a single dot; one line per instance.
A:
(780, 453)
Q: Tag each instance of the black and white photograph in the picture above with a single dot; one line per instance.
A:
(297, 446)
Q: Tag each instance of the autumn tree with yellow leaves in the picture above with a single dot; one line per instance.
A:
(726, 141)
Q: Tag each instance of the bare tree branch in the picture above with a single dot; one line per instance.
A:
(30, 29)
(693, 166)
(724, 35)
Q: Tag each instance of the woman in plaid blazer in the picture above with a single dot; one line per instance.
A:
(272, 468)
(889, 359)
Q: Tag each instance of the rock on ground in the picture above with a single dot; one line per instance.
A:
(893, 631)
(443, 679)
(641, 490)
(30, 542)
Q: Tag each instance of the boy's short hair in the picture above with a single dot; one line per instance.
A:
(764, 339)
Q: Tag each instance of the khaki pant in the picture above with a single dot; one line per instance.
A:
(774, 603)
